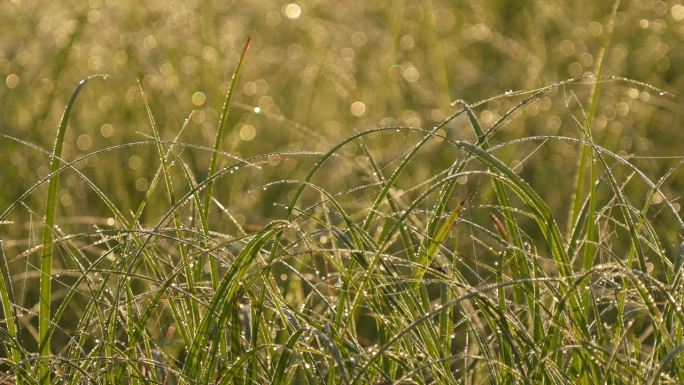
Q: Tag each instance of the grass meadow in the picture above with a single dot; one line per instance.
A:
(341, 192)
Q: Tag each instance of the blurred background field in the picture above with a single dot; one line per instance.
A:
(316, 73)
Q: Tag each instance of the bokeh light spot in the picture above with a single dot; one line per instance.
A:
(134, 162)
(358, 108)
(677, 12)
(247, 132)
(12, 80)
(106, 130)
(198, 98)
(292, 11)
(84, 142)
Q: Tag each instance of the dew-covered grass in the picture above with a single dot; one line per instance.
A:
(328, 193)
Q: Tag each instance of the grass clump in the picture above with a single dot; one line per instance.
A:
(459, 252)
(366, 285)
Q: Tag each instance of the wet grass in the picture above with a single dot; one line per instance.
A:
(530, 237)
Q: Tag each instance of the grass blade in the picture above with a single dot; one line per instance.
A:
(48, 248)
(214, 156)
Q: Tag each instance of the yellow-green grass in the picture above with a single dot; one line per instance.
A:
(409, 192)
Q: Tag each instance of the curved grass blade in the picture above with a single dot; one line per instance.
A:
(48, 248)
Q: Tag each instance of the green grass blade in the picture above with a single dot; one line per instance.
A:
(8, 312)
(284, 360)
(48, 247)
(217, 146)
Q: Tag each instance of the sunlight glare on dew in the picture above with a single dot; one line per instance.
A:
(292, 11)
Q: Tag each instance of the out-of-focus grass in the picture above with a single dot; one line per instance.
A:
(352, 266)
(401, 62)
